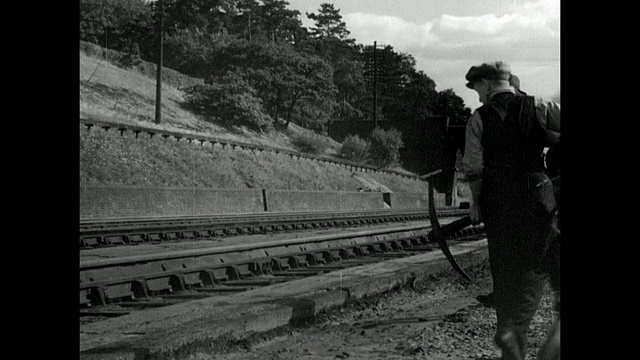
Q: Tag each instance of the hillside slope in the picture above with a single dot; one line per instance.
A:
(108, 158)
(109, 93)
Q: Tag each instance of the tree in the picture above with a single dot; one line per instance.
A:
(200, 16)
(284, 76)
(447, 103)
(354, 149)
(116, 24)
(231, 100)
(248, 22)
(280, 23)
(330, 41)
(288, 82)
(402, 91)
(189, 51)
(384, 147)
(329, 24)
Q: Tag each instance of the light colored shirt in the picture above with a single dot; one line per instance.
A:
(548, 113)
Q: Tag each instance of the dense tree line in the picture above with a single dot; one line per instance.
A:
(262, 68)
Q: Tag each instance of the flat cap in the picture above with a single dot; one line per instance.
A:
(496, 70)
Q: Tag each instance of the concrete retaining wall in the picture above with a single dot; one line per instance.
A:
(284, 201)
(409, 200)
(413, 200)
(105, 202)
(117, 202)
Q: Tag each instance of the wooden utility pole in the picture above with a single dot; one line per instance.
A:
(375, 85)
(159, 71)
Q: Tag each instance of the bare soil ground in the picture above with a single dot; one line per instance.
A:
(436, 320)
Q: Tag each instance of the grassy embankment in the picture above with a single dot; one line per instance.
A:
(110, 93)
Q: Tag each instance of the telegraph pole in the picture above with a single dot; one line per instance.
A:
(375, 86)
(159, 71)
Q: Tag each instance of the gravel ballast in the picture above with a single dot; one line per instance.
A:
(438, 318)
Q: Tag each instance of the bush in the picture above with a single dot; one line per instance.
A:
(131, 57)
(384, 147)
(354, 149)
(234, 102)
(311, 144)
(116, 23)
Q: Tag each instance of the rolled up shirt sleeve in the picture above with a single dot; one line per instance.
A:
(472, 163)
(548, 114)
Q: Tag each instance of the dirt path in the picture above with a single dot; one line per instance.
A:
(438, 320)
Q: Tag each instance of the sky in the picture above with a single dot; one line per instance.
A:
(447, 37)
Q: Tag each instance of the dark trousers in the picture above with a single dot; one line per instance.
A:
(519, 232)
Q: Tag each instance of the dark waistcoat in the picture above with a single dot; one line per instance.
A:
(512, 137)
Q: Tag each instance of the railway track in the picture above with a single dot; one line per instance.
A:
(137, 231)
(117, 286)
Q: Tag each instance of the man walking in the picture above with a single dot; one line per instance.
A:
(512, 194)
(514, 81)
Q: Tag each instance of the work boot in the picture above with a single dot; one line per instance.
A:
(486, 300)
(508, 343)
(550, 350)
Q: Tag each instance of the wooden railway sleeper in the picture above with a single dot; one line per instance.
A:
(140, 288)
(137, 238)
(170, 236)
(261, 266)
(384, 247)
(315, 258)
(208, 277)
(405, 244)
(231, 231)
(176, 282)
(347, 253)
(331, 256)
(279, 264)
(97, 296)
(155, 237)
(362, 250)
(219, 275)
(259, 229)
(203, 233)
(187, 235)
(90, 241)
(246, 270)
(374, 248)
(113, 240)
(298, 261)
(217, 232)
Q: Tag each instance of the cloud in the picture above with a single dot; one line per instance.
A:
(367, 28)
(525, 35)
(532, 33)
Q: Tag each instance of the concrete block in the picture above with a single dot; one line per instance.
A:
(361, 200)
(410, 200)
(103, 202)
(318, 302)
(285, 201)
